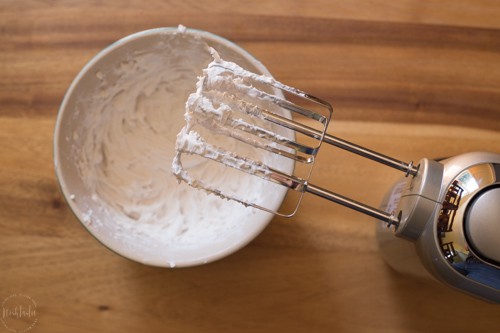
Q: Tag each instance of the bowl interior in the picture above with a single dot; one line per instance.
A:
(131, 97)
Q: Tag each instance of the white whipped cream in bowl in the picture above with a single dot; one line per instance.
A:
(114, 143)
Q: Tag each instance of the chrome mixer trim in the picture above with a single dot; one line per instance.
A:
(461, 191)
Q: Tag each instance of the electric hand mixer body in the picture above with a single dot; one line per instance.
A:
(445, 215)
(450, 213)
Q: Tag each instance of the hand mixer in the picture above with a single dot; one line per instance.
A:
(449, 210)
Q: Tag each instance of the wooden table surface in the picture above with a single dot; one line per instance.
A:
(409, 78)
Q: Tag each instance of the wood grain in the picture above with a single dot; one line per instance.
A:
(409, 78)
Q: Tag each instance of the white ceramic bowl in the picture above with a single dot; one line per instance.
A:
(86, 106)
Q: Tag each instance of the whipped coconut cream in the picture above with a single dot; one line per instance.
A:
(226, 107)
(125, 146)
